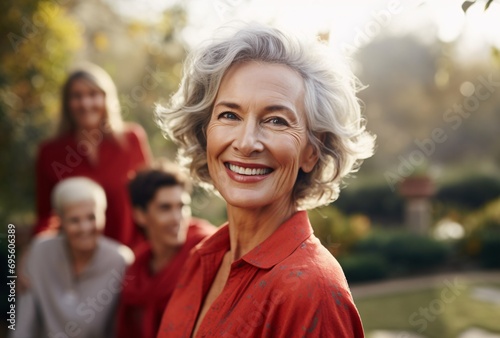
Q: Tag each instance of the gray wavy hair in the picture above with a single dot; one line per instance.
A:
(335, 126)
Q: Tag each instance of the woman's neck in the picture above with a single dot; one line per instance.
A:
(250, 227)
(80, 260)
(92, 138)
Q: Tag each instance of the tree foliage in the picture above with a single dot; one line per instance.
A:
(38, 42)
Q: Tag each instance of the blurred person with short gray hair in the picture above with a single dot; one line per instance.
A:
(75, 276)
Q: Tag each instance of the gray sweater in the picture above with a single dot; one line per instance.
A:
(58, 305)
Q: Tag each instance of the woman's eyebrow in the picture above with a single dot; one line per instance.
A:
(230, 105)
(278, 107)
(268, 109)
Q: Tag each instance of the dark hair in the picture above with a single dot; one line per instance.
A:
(143, 187)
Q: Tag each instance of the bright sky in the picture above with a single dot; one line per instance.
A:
(350, 23)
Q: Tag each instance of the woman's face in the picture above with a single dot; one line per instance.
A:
(87, 104)
(80, 223)
(256, 137)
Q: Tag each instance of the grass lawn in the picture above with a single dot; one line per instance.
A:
(439, 312)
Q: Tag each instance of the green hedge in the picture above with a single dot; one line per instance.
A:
(414, 252)
(483, 239)
(381, 204)
(376, 201)
(364, 267)
(489, 254)
(470, 192)
(402, 253)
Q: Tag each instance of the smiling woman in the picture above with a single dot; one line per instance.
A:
(273, 124)
(75, 276)
(258, 107)
(92, 141)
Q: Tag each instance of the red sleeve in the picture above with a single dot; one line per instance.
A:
(141, 152)
(330, 315)
(44, 186)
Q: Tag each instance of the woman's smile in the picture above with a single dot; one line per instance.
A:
(247, 173)
(256, 138)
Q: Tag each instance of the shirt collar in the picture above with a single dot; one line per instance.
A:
(217, 242)
(281, 243)
(272, 250)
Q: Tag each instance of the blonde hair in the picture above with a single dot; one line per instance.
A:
(113, 121)
(78, 189)
(335, 126)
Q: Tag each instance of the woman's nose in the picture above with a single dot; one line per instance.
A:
(248, 138)
(86, 102)
(87, 226)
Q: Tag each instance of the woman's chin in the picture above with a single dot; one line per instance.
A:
(89, 124)
(247, 201)
(84, 247)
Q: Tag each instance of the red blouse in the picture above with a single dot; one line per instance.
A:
(287, 286)
(145, 296)
(117, 160)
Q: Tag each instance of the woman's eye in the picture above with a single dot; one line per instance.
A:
(278, 121)
(228, 115)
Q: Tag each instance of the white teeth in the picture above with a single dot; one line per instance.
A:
(249, 171)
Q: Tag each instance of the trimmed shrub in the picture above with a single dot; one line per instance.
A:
(403, 251)
(489, 254)
(364, 267)
(377, 201)
(469, 192)
(375, 243)
(483, 239)
(411, 251)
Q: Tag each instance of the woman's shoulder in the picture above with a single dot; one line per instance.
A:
(115, 251)
(45, 242)
(132, 129)
(313, 263)
(53, 144)
(43, 250)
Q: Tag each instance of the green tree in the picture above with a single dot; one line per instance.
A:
(38, 41)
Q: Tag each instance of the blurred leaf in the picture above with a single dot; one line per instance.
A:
(41, 39)
(495, 53)
(488, 3)
(467, 4)
(101, 41)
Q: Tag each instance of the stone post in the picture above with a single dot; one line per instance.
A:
(417, 192)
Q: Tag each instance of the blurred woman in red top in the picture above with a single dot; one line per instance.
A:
(92, 141)
(273, 124)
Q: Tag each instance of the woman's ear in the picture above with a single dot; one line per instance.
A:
(57, 219)
(309, 158)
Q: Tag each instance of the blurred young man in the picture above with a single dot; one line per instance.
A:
(160, 199)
